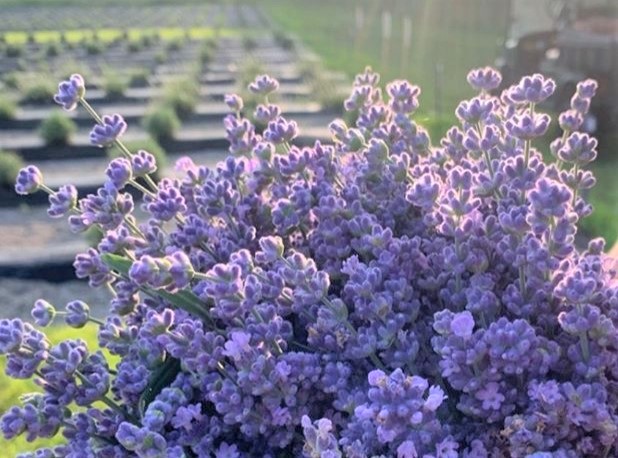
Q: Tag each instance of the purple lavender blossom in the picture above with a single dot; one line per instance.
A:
(29, 180)
(343, 289)
(484, 79)
(532, 89)
(43, 313)
(119, 172)
(234, 102)
(281, 131)
(77, 314)
(105, 134)
(143, 163)
(70, 92)
(404, 96)
(263, 85)
(528, 127)
(62, 201)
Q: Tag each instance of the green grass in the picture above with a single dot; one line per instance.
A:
(448, 39)
(11, 389)
(109, 35)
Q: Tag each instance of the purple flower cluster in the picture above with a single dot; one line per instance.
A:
(379, 295)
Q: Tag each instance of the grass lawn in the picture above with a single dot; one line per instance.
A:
(11, 389)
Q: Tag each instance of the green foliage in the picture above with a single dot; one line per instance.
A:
(7, 108)
(57, 130)
(114, 86)
(39, 92)
(93, 47)
(12, 80)
(52, 49)
(283, 39)
(182, 97)
(139, 78)
(162, 123)
(248, 43)
(14, 50)
(175, 45)
(10, 164)
(134, 46)
(207, 51)
(150, 145)
(93, 236)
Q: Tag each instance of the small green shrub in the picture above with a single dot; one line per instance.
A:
(182, 97)
(249, 43)
(175, 45)
(93, 47)
(283, 40)
(14, 50)
(7, 108)
(150, 145)
(38, 92)
(52, 49)
(12, 80)
(134, 46)
(206, 54)
(114, 86)
(139, 78)
(162, 123)
(160, 57)
(10, 164)
(57, 130)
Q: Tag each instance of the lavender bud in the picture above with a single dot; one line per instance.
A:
(264, 151)
(107, 133)
(532, 89)
(570, 120)
(62, 201)
(181, 269)
(265, 113)
(281, 131)
(143, 163)
(234, 102)
(587, 88)
(70, 92)
(43, 313)
(11, 335)
(29, 180)
(462, 324)
(77, 314)
(263, 85)
(578, 149)
(272, 249)
(528, 127)
(484, 79)
(119, 172)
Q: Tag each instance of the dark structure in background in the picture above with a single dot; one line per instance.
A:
(569, 40)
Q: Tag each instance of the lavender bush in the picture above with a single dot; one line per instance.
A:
(378, 296)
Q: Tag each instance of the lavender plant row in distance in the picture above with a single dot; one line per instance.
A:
(377, 296)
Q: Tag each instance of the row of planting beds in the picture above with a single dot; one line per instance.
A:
(159, 118)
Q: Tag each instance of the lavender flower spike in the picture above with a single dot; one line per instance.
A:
(43, 312)
(77, 314)
(264, 85)
(62, 201)
(106, 134)
(234, 102)
(70, 92)
(484, 79)
(29, 180)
